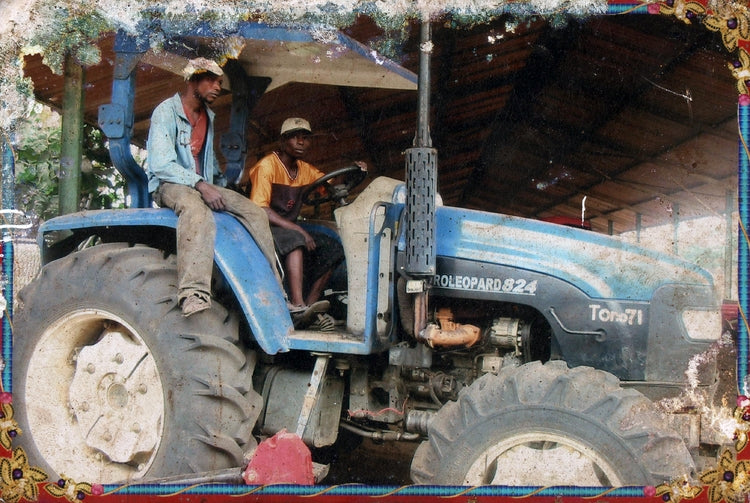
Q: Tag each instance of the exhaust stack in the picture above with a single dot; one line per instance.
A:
(421, 184)
(421, 188)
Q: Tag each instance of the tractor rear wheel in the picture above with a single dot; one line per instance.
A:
(114, 384)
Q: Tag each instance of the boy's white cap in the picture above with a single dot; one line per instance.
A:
(295, 124)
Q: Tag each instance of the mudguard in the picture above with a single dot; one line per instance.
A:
(246, 270)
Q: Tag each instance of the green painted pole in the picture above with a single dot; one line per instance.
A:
(72, 136)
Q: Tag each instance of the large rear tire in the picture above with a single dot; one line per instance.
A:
(545, 424)
(112, 383)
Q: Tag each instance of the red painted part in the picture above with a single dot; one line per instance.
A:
(281, 459)
(730, 310)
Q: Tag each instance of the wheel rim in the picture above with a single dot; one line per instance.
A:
(95, 401)
(541, 459)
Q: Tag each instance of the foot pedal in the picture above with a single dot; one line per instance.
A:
(310, 314)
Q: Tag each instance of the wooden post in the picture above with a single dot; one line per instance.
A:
(72, 136)
(637, 227)
(676, 228)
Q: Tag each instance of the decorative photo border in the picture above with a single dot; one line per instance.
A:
(729, 481)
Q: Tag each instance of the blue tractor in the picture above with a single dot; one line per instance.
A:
(514, 351)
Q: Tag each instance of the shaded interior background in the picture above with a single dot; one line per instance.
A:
(637, 112)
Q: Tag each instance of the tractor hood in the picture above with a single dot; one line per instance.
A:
(602, 266)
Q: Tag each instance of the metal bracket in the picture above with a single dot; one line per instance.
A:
(116, 118)
(313, 391)
(112, 120)
(246, 91)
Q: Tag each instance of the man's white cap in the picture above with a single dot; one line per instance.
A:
(201, 65)
(295, 124)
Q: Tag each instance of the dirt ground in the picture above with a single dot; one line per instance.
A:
(373, 464)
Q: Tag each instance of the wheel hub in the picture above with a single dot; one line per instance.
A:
(541, 458)
(116, 397)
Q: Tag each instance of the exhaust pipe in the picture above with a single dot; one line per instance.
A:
(421, 189)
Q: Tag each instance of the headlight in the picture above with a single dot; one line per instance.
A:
(702, 324)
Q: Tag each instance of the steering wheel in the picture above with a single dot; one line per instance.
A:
(354, 175)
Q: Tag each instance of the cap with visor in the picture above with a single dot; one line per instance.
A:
(201, 65)
(294, 125)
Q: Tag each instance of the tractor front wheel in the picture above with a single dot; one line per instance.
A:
(545, 424)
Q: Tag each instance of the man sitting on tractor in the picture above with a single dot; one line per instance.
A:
(184, 175)
(277, 182)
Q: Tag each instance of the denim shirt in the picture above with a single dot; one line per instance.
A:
(169, 156)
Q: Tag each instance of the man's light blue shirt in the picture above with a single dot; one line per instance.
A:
(169, 156)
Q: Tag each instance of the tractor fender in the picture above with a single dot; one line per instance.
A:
(244, 267)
